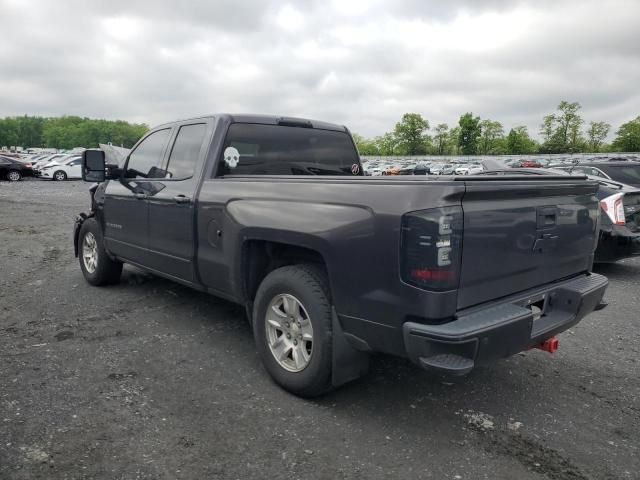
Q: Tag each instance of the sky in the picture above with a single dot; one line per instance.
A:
(361, 63)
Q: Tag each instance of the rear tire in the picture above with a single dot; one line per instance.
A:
(59, 175)
(14, 176)
(277, 325)
(98, 269)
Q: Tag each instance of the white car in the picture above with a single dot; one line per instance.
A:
(469, 169)
(68, 168)
(41, 162)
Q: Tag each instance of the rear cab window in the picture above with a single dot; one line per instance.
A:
(257, 149)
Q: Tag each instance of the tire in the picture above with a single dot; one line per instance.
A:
(308, 285)
(59, 175)
(104, 271)
(14, 176)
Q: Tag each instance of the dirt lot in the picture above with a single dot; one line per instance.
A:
(148, 379)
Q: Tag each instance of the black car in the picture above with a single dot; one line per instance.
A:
(619, 212)
(13, 170)
(618, 170)
(421, 169)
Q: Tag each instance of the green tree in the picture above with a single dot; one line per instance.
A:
(562, 130)
(441, 139)
(453, 142)
(410, 133)
(628, 137)
(470, 132)
(365, 146)
(596, 134)
(519, 142)
(386, 144)
(491, 136)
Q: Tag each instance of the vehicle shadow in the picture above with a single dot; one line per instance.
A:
(618, 270)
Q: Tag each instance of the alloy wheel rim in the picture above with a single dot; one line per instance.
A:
(289, 332)
(59, 176)
(90, 252)
(14, 176)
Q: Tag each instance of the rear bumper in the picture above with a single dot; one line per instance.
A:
(484, 334)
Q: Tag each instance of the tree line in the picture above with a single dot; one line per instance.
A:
(563, 131)
(67, 132)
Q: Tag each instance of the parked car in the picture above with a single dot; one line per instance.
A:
(468, 169)
(68, 168)
(529, 164)
(619, 235)
(275, 214)
(624, 171)
(422, 169)
(47, 159)
(13, 170)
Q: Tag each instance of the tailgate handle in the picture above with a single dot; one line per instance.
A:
(547, 217)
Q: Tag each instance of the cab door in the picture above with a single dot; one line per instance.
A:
(126, 210)
(172, 207)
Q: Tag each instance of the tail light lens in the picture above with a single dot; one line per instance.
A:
(431, 248)
(613, 206)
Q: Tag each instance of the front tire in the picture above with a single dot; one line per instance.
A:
(60, 176)
(14, 176)
(98, 269)
(292, 328)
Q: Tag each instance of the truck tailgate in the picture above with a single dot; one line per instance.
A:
(521, 233)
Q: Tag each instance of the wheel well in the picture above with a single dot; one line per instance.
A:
(262, 257)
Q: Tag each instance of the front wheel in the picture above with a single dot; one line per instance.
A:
(59, 176)
(14, 175)
(292, 328)
(98, 269)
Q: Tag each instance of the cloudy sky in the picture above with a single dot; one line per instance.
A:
(362, 63)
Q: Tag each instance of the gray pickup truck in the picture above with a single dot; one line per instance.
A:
(275, 214)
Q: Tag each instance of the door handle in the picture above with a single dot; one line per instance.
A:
(181, 199)
(140, 196)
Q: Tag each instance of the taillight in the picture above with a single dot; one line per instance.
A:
(431, 248)
(613, 206)
(28, 165)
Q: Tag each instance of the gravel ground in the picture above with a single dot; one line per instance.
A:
(150, 380)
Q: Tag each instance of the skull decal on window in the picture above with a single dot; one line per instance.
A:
(231, 157)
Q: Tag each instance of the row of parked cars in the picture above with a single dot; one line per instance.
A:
(408, 167)
(59, 166)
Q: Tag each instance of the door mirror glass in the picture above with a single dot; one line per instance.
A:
(93, 167)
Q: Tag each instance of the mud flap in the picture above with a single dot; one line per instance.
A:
(348, 363)
(76, 231)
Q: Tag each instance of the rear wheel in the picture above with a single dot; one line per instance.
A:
(14, 175)
(59, 176)
(98, 269)
(292, 328)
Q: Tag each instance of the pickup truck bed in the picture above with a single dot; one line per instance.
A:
(450, 272)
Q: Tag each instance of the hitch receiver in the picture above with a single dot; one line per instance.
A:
(549, 345)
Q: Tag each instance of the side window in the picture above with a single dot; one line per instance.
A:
(186, 151)
(146, 160)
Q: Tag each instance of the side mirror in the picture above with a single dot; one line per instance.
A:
(93, 166)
